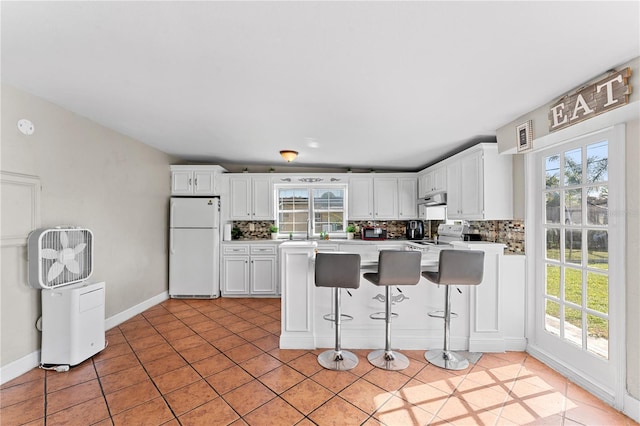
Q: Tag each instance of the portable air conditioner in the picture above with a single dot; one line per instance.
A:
(72, 323)
(60, 261)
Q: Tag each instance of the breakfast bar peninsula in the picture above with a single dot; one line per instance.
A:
(490, 317)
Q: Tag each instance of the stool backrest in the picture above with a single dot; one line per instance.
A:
(399, 267)
(460, 267)
(337, 270)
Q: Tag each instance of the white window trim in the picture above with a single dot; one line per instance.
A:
(310, 187)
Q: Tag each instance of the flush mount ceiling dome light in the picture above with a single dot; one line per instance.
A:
(289, 155)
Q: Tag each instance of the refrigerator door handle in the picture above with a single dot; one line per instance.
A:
(171, 250)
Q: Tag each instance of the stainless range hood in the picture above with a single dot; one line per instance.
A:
(434, 199)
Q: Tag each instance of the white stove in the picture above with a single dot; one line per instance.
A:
(451, 232)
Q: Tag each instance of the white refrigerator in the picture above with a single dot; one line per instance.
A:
(194, 248)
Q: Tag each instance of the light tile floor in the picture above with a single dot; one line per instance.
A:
(217, 362)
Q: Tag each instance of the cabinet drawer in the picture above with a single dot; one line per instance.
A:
(263, 249)
(234, 249)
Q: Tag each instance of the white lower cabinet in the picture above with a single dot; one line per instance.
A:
(263, 276)
(235, 276)
(249, 270)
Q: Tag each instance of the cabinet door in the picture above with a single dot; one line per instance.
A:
(439, 179)
(407, 192)
(262, 199)
(203, 183)
(471, 186)
(385, 198)
(454, 208)
(423, 184)
(235, 276)
(240, 197)
(360, 198)
(181, 183)
(263, 276)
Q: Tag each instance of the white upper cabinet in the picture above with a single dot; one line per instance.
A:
(385, 198)
(407, 195)
(195, 180)
(479, 184)
(389, 197)
(262, 198)
(433, 179)
(361, 198)
(251, 197)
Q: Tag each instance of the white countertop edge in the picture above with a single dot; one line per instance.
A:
(479, 245)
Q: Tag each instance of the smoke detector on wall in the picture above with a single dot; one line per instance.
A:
(26, 127)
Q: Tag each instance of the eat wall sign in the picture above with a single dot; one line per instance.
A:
(611, 92)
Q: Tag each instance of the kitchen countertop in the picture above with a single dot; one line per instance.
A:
(332, 240)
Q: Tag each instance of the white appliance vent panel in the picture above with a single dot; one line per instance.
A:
(59, 256)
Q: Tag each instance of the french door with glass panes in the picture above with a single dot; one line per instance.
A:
(579, 236)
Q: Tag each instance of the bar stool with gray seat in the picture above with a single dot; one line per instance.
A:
(337, 271)
(455, 267)
(395, 268)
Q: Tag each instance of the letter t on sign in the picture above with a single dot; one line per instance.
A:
(609, 86)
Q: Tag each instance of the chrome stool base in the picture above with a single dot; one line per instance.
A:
(338, 360)
(446, 359)
(388, 360)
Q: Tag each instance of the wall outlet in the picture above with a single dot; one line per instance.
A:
(252, 227)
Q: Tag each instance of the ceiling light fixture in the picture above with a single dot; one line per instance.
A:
(289, 155)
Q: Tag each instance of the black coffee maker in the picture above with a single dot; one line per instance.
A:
(415, 230)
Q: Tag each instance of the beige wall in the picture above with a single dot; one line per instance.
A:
(91, 177)
(633, 254)
(507, 142)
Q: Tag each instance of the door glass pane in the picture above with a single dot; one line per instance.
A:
(573, 246)
(598, 205)
(598, 248)
(597, 162)
(573, 206)
(552, 317)
(598, 336)
(598, 292)
(552, 204)
(573, 286)
(553, 281)
(552, 171)
(573, 325)
(553, 244)
(573, 167)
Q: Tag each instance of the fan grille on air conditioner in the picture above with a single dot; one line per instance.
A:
(59, 256)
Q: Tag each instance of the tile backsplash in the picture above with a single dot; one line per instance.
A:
(509, 232)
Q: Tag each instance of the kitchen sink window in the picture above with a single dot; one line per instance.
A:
(310, 211)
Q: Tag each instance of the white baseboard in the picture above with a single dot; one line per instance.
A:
(19, 367)
(135, 310)
(297, 342)
(22, 365)
(606, 395)
(631, 407)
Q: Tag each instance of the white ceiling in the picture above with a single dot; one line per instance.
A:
(382, 85)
